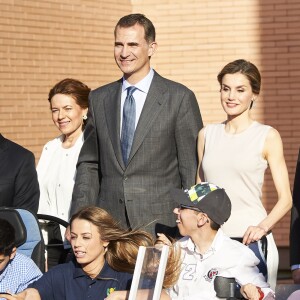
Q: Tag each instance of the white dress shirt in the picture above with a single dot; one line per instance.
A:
(225, 257)
(139, 95)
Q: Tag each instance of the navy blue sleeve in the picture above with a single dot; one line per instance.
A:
(52, 285)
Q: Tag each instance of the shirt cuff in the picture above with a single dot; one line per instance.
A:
(295, 267)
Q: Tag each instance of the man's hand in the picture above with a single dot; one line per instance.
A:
(141, 295)
(28, 294)
(162, 239)
(118, 295)
(251, 292)
(68, 234)
(296, 276)
(12, 297)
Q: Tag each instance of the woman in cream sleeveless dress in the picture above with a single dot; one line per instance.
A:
(235, 154)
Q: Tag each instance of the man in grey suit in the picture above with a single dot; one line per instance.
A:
(140, 142)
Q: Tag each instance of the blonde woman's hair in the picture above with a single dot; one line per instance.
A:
(124, 244)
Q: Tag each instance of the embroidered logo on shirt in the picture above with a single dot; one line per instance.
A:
(109, 291)
(211, 274)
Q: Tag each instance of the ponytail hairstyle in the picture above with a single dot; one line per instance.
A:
(122, 250)
(246, 68)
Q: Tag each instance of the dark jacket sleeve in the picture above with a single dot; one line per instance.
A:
(87, 182)
(27, 191)
(188, 125)
(295, 220)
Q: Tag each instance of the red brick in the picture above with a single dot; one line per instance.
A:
(45, 41)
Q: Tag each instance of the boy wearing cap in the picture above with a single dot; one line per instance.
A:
(207, 251)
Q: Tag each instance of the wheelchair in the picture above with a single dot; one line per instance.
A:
(57, 252)
(228, 288)
(29, 238)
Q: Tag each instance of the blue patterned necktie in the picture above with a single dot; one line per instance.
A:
(128, 123)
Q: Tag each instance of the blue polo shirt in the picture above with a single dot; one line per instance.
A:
(69, 282)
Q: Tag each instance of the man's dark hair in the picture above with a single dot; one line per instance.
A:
(214, 225)
(7, 238)
(132, 19)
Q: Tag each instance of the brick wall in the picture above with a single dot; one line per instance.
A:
(45, 41)
(197, 38)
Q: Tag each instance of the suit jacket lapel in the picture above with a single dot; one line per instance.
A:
(151, 109)
(112, 106)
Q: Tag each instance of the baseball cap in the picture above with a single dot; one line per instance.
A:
(205, 197)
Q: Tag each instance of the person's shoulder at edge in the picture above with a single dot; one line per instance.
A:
(172, 85)
(47, 150)
(72, 265)
(168, 82)
(273, 133)
(183, 241)
(211, 126)
(58, 272)
(22, 271)
(236, 247)
(17, 149)
(25, 261)
(53, 144)
(222, 239)
(259, 124)
(273, 140)
(56, 141)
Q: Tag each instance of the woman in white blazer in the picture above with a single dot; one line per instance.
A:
(57, 166)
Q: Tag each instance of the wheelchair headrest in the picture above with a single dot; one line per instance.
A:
(13, 217)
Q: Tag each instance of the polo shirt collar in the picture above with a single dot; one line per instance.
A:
(106, 272)
(216, 244)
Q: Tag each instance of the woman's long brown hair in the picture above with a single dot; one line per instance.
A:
(124, 244)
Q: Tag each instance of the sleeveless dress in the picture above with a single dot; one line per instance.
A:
(235, 163)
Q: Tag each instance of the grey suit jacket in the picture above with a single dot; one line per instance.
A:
(163, 154)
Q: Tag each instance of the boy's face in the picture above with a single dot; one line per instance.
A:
(4, 260)
(186, 220)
